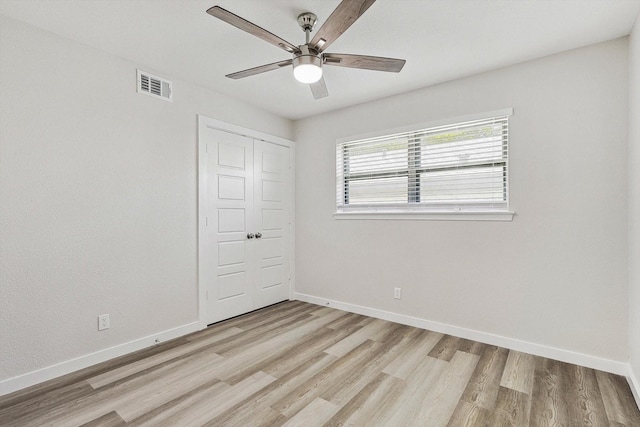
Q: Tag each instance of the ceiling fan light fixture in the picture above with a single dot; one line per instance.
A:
(307, 67)
(307, 73)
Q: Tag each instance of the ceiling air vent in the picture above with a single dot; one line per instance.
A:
(154, 86)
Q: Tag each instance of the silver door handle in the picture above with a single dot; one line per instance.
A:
(250, 236)
(258, 235)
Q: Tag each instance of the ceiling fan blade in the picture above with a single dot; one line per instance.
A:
(260, 69)
(251, 28)
(319, 89)
(338, 22)
(376, 63)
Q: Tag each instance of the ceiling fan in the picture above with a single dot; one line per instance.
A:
(309, 58)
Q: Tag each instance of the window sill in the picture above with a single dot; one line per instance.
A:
(428, 216)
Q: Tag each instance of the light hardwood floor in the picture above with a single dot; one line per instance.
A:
(298, 364)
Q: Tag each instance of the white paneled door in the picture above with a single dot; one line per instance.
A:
(246, 223)
(271, 207)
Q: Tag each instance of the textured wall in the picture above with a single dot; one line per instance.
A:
(98, 195)
(556, 275)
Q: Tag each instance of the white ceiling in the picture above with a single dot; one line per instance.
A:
(441, 40)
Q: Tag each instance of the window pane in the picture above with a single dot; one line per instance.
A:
(377, 157)
(378, 191)
(470, 185)
(457, 166)
(480, 144)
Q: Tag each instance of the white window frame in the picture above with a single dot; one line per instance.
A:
(423, 211)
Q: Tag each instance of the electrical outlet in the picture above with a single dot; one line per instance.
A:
(397, 293)
(103, 322)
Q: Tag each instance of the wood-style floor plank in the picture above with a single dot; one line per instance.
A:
(582, 395)
(186, 403)
(156, 360)
(547, 407)
(331, 376)
(298, 364)
(617, 399)
(47, 401)
(357, 379)
(256, 336)
(470, 414)
(402, 366)
(367, 407)
(441, 400)
(244, 413)
(512, 408)
(446, 347)
(518, 372)
(479, 399)
(370, 331)
(315, 413)
(405, 411)
(112, 419)
(204, 410)
(307, 348)
(482, 389)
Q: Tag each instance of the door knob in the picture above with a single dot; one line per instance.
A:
(258, 235)
(250, 236)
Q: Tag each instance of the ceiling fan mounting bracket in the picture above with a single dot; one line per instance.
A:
(306, 21)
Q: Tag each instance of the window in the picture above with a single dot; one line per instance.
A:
(453, 168)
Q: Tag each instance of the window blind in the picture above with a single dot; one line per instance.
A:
(456, 167)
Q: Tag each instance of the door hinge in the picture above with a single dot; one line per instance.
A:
(206, 148)
(206, 221)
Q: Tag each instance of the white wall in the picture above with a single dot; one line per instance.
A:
(555, 276)
(634, 204)
(98, 195)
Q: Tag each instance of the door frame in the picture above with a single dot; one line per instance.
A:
(204, 123)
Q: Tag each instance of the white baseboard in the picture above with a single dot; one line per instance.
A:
(634, 384)
(50, 372)
(612, 366)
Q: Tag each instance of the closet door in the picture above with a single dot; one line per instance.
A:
(228, 254)
(272, 192)
(245, 243)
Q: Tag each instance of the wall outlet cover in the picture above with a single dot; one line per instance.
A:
(103, 322)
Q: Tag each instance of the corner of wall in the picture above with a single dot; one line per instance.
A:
(634, 210)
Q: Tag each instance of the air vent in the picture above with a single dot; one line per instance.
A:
(154, 86)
